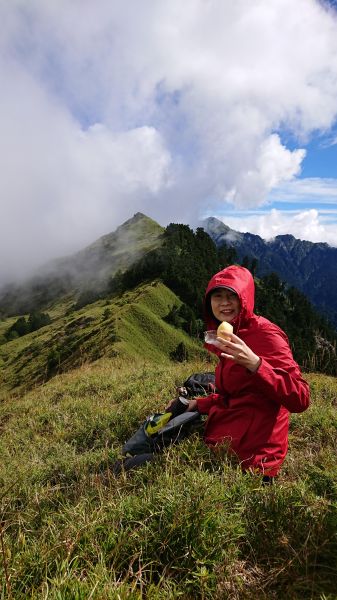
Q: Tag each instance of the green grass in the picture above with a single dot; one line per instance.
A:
(125, 326)
(190, 525)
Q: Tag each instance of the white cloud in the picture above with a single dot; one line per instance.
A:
(166, 107)
(62, 186)
(304, 225)
(273, 164)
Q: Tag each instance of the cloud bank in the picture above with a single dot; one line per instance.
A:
(170, 108)
(304, 225)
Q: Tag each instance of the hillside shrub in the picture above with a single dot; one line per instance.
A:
(53, 359)
(180, 353)
(21, 327)
(86, 297)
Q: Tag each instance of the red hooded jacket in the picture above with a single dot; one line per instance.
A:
(251, 410)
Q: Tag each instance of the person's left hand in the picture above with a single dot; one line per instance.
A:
(192, 406)
(239, 352)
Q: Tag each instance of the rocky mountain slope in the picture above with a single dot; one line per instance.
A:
(310, 267)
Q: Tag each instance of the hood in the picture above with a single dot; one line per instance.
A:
(241, 281)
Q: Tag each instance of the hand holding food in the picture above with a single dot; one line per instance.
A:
(224, 329)
(237, 350)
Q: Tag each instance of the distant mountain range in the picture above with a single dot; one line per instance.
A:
(310, 267)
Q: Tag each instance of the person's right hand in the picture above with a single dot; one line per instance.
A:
(237, 350)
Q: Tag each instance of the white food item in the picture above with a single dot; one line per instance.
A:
(224, 329)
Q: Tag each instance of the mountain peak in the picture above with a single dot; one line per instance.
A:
(137, 219)
(220, 232)
(214, 223)
(89, 269)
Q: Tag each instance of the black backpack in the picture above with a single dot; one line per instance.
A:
(199, 384)
(159, 430)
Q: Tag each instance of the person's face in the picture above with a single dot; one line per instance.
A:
(225, 305)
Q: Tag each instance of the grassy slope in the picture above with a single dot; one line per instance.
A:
(189, 525)
(115, 251)
(127, 326)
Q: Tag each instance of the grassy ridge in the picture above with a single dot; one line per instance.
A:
(126, 326)
(188, 526)
(141, 328)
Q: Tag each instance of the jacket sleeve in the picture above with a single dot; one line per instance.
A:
(204, 403)
(278, 376)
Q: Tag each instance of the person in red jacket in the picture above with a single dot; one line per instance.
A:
(258, 381)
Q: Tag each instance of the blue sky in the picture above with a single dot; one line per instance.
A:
(306, 206)
(180, 110)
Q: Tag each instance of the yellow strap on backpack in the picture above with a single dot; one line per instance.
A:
(156, 423)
